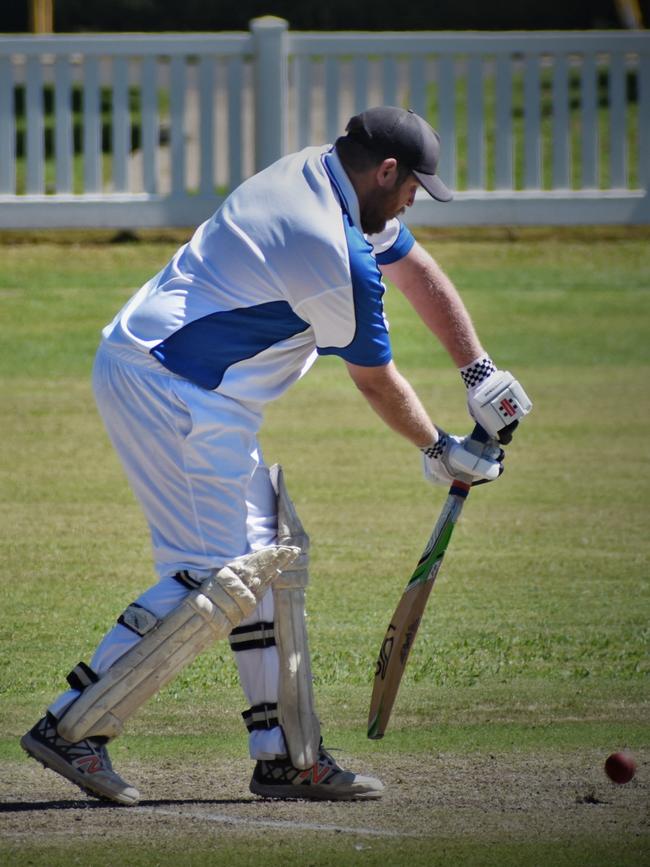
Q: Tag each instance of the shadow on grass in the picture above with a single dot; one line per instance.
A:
(40, 806)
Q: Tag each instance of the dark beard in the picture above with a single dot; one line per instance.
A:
(379, 208)
(372, 223)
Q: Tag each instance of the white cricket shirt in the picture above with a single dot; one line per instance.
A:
(281, 273)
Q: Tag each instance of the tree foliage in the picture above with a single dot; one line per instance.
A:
(161, 15)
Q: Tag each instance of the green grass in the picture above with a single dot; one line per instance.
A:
(537, 633)
(344, 853)
(548, 546)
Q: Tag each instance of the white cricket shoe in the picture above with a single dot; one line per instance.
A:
(86, 764)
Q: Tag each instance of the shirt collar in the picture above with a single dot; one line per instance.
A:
(343, 185)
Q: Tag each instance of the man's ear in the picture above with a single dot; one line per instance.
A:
(387, 172)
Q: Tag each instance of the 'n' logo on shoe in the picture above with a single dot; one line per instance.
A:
(88, 764)
(316, 774)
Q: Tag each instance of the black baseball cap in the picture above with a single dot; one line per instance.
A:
(396, 132)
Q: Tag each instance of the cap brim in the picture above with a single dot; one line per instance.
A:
(434, 187)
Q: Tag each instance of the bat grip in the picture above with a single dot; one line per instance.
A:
(504, 436)
(480, 435)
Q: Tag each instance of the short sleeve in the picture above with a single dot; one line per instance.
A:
(393, 243)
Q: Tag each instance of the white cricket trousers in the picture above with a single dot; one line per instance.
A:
(194, 463)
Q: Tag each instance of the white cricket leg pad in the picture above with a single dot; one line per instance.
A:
(498, 401)
(295, 688)
(168, 645)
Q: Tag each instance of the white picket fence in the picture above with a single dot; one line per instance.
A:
(153, 130)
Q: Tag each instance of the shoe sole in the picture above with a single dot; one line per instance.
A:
(52, 761)
(312, 793)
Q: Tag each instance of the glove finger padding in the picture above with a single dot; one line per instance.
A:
(449, 460)
(459, 461)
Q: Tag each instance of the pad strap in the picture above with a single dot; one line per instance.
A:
(187, 580)
(261, 716)
(138, 619)
(254, 636)
(82, 676)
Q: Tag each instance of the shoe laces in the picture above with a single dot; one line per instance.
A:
(74, 750)
(103, 754)
(325, 756)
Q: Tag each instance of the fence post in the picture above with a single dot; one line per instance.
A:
(271, 88)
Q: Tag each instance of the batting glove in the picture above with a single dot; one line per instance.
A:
(494, 398)
(448, 460)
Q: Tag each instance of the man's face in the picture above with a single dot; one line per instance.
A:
(386, 202)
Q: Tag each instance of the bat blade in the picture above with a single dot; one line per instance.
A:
(404, 624)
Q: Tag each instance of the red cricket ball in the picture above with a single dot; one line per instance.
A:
(620, 767)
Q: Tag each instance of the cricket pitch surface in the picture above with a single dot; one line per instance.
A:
(445, 798)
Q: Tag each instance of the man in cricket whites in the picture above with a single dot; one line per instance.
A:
(289, 268)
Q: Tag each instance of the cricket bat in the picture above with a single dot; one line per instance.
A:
(403, 627)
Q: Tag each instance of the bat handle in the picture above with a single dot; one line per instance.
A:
(480, 435)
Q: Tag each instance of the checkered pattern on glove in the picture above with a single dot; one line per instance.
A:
(478, 370)
(435, 450)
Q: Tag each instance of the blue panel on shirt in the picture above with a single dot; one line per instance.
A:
(370, 346)
(203, 350)
(399, 249)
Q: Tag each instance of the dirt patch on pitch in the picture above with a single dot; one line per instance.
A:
(446, 796)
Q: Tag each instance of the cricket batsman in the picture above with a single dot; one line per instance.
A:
(289, 268)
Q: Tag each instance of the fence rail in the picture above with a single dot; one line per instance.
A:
(137, 130)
